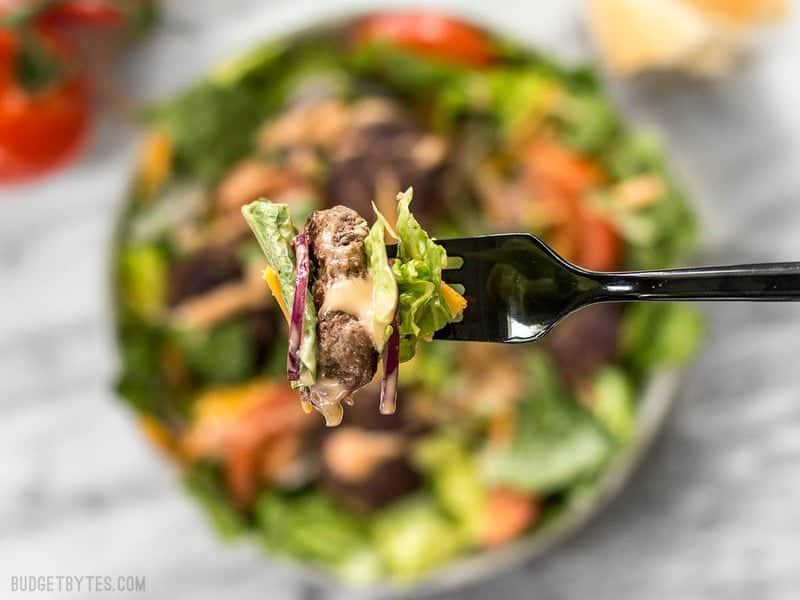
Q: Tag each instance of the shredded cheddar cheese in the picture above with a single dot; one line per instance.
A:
(156, 162)
(455, 301)
(160, 437)
(271, 277)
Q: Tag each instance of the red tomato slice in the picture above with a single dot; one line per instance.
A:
(428, 34)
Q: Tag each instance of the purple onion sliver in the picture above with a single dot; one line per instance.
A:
(298, 306)
(391, 370)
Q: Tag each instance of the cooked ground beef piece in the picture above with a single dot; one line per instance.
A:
(397, 151)
(346, 351)
(202, 271)
(393, 476)
(336, 242)
(389, 481)
(586, 341)
(263, 326)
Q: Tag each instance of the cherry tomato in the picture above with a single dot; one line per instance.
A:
(428, 34)
(90, 13)
(43, 129)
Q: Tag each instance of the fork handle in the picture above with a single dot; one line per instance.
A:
(771, 282)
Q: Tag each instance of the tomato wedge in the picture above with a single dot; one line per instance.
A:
(429, 34)
(565, 178)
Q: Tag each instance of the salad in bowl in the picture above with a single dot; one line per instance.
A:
(491, 448)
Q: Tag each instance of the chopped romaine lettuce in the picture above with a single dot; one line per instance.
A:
(555, 443)
(521, 98)
(612, 402)
(384, 286)
(143, 273)
(404, 71)
(219, 354)
(413, 537)
(203, 481)
(588, 121)
(140, 380)
(422, 309)
(434, 366)
(310, 526)
(660, 334)
(456, 479)
(272, 226)
(211, 126)
(232, 72)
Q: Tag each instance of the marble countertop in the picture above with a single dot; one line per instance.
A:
(713, 513)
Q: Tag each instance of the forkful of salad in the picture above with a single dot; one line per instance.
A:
(350, 299)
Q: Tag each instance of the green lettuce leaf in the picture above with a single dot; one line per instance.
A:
(556, 443)
(143, 277)
(219, 354)
(310, 526)
(204, 482)
(272, 226)
(422, 309)
(455, 479)
(660, 334)
(384, 286)
(413, 536)
(613, 402)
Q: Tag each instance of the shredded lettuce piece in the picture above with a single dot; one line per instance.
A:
(661, 334)
(204, 482)
(422, 308)
(455, 479)
(384, 286)
(413, 537)
(313, 528)
(143, 278)
(272, 225)
(556, 443)
(613, 402)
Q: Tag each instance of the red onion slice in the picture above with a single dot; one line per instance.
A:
(391, 369)
(298, 306)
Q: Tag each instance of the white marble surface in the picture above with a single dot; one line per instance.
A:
(715, 511)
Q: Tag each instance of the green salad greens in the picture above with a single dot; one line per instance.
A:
(422, 308)
(489, 444)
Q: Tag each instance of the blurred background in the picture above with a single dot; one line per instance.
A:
(713, 512)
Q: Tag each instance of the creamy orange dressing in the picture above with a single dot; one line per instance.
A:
(353, 296)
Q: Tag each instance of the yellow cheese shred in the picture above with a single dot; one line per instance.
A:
(455, 301)
(271, 277)
(156, 162)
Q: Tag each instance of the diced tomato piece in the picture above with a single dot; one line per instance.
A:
(508, 513)
(429, 34)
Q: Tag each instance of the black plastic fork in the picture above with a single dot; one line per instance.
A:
(518, 288)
